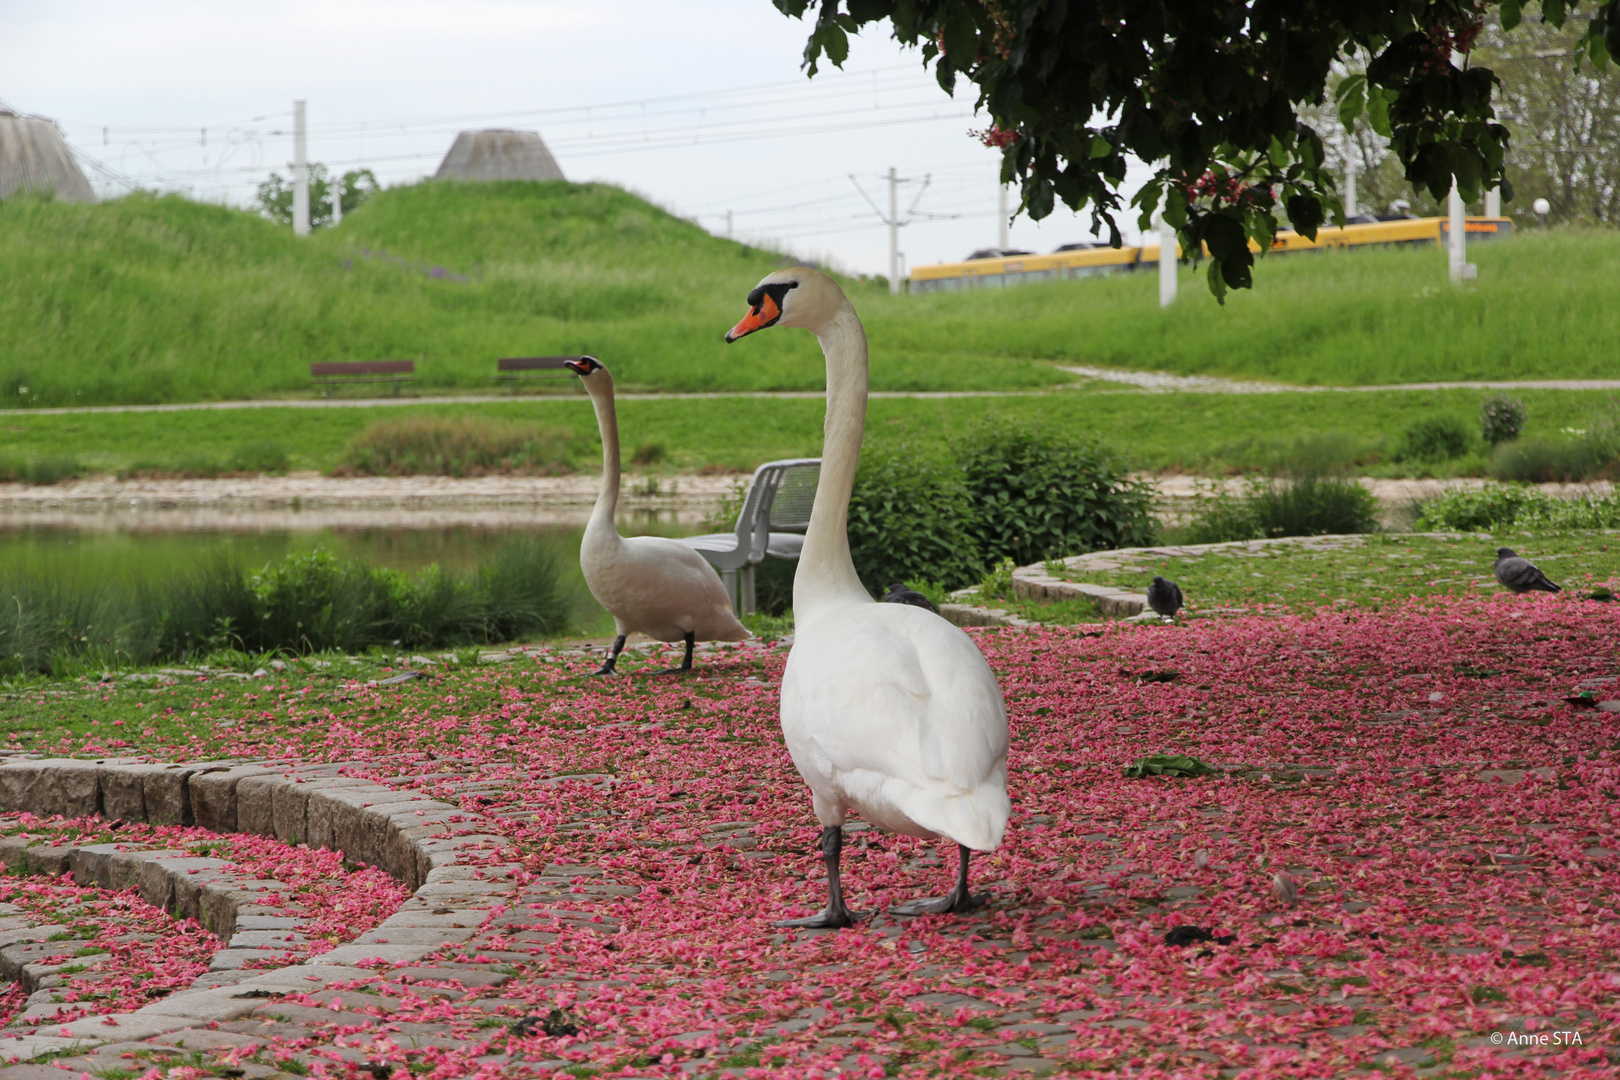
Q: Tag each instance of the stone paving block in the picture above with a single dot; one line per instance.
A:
(123, 789)
(399, 935)
(90, 864)
(48, 786)
(201, 1006)
(266, 922)
(31, 1048)
(135, 1025)
(168, 795)
(213, 795)
(290, 813)
(394, 954)
(206, 1040)
(187, 877)
(255, 803)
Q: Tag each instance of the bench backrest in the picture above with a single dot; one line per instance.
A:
(533, 363)
(789, 509)
(363, 367)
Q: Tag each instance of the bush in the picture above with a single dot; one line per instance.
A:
(307, 603)
(1485, 510)
(1585, 512)
(912, 518)
(1036, 495)
(432, 445)
(1304, 506)
(41, 471)
(1434, 438)
(1501, 419)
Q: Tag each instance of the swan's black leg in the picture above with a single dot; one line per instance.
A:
(686, 665)
(836, 915)
(609, 666)
(956, 901)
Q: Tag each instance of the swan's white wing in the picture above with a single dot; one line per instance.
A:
(676, 589)
(898, 711)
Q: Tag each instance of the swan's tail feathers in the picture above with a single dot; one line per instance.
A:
(976, 819)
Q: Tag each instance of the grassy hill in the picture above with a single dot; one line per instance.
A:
(158, 299)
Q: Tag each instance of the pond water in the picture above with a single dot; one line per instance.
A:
(133, 545)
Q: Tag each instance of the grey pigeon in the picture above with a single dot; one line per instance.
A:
(1164, 597)
(899, 594)
(1520, 575)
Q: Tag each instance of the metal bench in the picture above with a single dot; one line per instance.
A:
(775, 514)
(330, 373)
(522, 368)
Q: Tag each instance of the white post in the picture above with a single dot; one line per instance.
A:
(335, 185)
(1456, 250)
(1001, 215)
(728, 224)
(894, 231)
(300, 173)
(1493, 202)
(1167, 264)
(1350, 210)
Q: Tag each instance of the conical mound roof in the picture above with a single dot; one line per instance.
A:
(34, 157)
(498, 154)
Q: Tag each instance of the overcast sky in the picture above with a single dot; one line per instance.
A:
(700, 105)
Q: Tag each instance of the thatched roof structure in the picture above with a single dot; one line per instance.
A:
(34, 157)
(498, 154)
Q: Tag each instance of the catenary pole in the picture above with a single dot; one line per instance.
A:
(1456, 247)
(300, 172)
(894, 231)
(1001, 215)
(1167, 264)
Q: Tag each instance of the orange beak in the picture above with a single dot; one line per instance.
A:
(757, 319)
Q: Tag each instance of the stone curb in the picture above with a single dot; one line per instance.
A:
(417, 839)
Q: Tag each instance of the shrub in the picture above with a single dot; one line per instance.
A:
(911, 517)
(1036, 494)
(1501, 419)
(1485, 510)
(1304, 506)
(441, 446)
(1586, 512)
(649, 454)
(41, 471)
(1434, 438)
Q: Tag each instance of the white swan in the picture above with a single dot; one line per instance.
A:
(887, 709)
(652, 584)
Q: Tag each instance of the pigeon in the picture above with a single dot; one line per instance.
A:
(1164, 597)
(1520, 575)
(899, 594)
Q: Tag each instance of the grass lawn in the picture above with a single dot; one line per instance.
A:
(1209, 433)
(148, 299)
(1368, 571)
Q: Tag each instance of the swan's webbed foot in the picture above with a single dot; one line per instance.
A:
(826, 919)
(952, 903)
(610, 666)
(835, 916)
(686, 664)
(955, 902)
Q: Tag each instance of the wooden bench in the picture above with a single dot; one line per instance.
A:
(330, 373)
(520, 368)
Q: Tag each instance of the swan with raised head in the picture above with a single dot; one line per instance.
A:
(650, 584)
(887, 709)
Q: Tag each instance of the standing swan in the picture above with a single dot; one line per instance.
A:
(652, 584)
(887, 709)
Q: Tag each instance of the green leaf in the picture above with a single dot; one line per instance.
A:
(1352, 96)
(1305, 214)
(1378, 102)
(1553, 12)
(1167, 765)
(1217, 283)
(1511, 14)
(960, 35)
(835, 42)
(1100, 147)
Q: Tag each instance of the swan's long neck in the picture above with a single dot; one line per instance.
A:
(826, 572)
(607, 422)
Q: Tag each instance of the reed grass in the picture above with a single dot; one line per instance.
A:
(308, 602)
(456, 446)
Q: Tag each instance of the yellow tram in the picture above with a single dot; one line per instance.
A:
(1078, 261)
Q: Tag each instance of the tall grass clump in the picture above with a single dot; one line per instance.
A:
(313, 602)
(461, 446)
(1307, 495)
(1434, 438)
(1590, 454)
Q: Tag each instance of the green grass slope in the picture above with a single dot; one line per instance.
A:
(149, 299)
